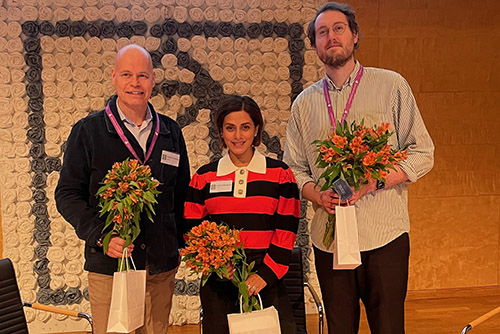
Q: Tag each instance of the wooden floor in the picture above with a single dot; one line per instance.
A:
(423, 316)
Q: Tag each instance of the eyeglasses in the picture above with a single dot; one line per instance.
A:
(338, 29)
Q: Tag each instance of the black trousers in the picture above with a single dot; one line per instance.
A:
(380, 282)
(219, 298)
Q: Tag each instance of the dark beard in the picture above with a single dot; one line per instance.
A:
(338, 61)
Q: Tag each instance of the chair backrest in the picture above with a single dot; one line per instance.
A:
(12, 318)
(294, 281)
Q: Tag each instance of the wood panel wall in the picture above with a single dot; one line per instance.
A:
(448, 51)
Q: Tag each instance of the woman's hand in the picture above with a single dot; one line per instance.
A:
(255, 284)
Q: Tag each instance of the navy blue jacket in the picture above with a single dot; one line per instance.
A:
(92, 148)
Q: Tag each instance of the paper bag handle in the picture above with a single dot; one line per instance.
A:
(241, 303)
(124, 257)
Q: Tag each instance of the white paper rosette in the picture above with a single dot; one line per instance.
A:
(213, 43)
(137, 13)
(200, 55)
(269, 102)
(229, 74)
(256, 58)
(256, 73)
(22, 166)
(14, 29)
(172, 73)
(94, 44)
(138, 40)
(50, 89)
(240, 16)
(271, 74)
(16, 60)
(27, 253)
(11, 240)
(53, 149)
(226, 15)
(64, 74)
(94, 74)
(4, 75)
(242, 59)
(61, 14)
(19, 104)
(56, 268)
(71, 238)
(15, 45)
(269, 59)
(242, 73)
(92, 13)
(107, 12)
(63, 45)
(65, 88)
(45, 13)
(17, 75)
(216, 72)
(211, 14)
(268, 15)
(183, 44)
(57, 282)
(24, 194)
(18, 135)
(214, 58)
(123, 14)
(256, 89)
(203, 116)
(284, 59)
(186, 101)
(180, 14)
(108, 44)
(271, 115)
(169, 60)
(201, 147)
(254, 15)
(27, 282)
(5, 120)
(186, 76)
(242, 87)
(228, 59)
(109, 58)
(18, 89)
(201, 131)
(58, 239)
(66, 104)
(23, 179)
(196, 14)
(284, 88)
(188, 133)
(152, 14)
(23, 209)
(76, 14)
(284, 102)
(74, 267)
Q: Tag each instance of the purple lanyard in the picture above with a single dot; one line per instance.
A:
(125, 140)
(349, 100)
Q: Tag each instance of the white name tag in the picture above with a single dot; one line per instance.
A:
(170, 158)
(221, 186)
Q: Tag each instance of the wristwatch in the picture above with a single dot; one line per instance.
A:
(380, 185)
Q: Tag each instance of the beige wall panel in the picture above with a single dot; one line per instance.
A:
(405, 56)
(454, 244)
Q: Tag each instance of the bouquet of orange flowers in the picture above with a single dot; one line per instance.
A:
(128, 190)
(212, 248)
(355, 154)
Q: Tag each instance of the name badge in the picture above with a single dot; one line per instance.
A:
(170, 158)
(221, 186)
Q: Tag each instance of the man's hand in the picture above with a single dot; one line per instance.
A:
(329, 200)
(115, 248)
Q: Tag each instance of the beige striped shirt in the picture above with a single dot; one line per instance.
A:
(382, 96)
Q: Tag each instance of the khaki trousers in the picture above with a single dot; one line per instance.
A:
(159, 292)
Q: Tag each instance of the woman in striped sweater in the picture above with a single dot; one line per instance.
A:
(257, 194)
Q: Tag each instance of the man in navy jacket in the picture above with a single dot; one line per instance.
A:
(94, 145)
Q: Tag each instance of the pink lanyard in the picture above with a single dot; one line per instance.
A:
(125, 140)
(349, 100)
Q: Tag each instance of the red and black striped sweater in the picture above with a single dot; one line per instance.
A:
(268, 214)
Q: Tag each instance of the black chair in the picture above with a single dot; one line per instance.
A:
(295, 284)
(12, 319)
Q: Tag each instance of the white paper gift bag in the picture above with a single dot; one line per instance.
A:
(127, 300)
(265, 320)
(346, 246)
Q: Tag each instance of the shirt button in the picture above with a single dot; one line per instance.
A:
(242, 171)
(240, 191)
(143, 246)
(240, 181)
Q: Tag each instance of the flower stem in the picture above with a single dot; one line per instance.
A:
(329, 230)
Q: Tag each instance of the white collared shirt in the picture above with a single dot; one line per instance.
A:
(141, 133)
(256, 165)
